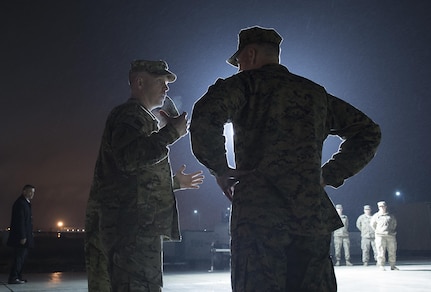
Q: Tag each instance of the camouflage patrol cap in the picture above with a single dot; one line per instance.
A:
(254, 35)
(367, 207)
(338, 206)
(153, 67)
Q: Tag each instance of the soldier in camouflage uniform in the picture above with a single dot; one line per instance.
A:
(341, 238)
(132, 207)
(367, 235)
(384, 225)
(282, 218)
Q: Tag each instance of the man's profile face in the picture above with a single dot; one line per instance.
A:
(153, 89)
(29, 193)
(243, 59)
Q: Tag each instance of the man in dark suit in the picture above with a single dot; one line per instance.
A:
(21, 233)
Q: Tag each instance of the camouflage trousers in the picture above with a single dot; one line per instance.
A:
(135, 266)
(342, 241)
(121, 260)
(268, 260)
(96, 263)
(389, 243)
(366, 245)
(96, 257)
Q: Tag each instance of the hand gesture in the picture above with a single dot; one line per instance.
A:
(189, 181)
(180, 122)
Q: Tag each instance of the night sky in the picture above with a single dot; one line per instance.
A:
(64, 66)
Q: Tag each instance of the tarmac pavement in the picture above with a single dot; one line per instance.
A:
(413, 276)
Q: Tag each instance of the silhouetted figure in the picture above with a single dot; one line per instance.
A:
(21, 233)
(282, 218)
(132, 208)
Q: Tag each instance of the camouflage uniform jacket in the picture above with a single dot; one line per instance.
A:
(363, 224)
(280, 121)
(384, 224)
(132, 180)
(343, 231)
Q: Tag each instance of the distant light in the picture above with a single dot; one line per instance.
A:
(195, 211)
(397, 193)
(60, 223)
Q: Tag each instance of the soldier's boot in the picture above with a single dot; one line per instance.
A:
(394, 268)
(348, 263)
(337, 263)
(365, 264)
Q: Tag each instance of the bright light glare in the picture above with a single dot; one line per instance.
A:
(60, 223)
(397, 193)
(228, 134)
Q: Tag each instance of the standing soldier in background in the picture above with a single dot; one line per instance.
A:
(384, 226)
(367, 235)
(282, 218)
(132, 208)
(341, 238)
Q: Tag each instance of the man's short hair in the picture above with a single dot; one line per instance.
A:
(26, 187)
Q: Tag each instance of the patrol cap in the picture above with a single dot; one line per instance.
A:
(367, 207)
(153, 67)
(254, 35)
(338, 206)
(381, 204)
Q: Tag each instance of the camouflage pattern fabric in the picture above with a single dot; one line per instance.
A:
(363, 224)
(265, 260)
(385, 226)
(366, 245)
(137, 264)
(96, 260)
(254, 35)
(152, 67)
(280, 122)
(132, 187)
(342, 241)
(343, 231)
(386, 243)
(367, 237)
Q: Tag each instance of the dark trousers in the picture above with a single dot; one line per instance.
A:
(19, 257)
(267, 260)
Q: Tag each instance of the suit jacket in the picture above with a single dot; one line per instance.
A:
(21, 225)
